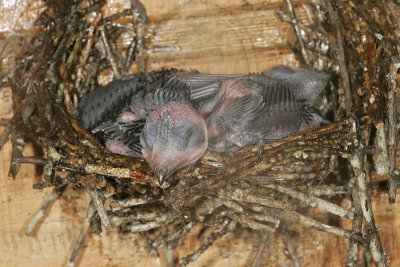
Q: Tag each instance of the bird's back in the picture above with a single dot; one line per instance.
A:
(106, 102)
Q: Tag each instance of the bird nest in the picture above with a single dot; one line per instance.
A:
(260, 188)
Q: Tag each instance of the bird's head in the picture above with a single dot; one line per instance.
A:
(174, 136)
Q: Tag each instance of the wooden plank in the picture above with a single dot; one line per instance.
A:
(232, 43)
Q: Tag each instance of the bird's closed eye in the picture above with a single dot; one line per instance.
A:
(150, 135)
(182, 136)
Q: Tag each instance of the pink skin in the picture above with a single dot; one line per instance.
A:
(165, 157)
(128, 116)
(117, 147)
(229, 91)
(216, 136)
(134, 112)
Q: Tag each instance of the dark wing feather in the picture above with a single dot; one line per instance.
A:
(106, 102)
(127, 133)
(307, 84)
(164, 91)
(97, 105)
(242, 109)
(203, 85)
(282, 116)
(242, 117)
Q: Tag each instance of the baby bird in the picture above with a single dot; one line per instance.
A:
(306, 84)
(152, 115)
(248, 109)
(246, 112)
(156, 94)
(159, 125)
(174, 136)
(122, 135)
(105, 103)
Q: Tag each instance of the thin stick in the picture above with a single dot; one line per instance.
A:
(84, 230)
(220, 231)
(38, 216)
(111, 18)
(291, 250)
(282, 212)
(344, 73)
(31, 160)
(295, 24)
(243, 195)
(143, 227)
(4, 136)
(295, 217)
(174, 236)
(129, 202)
(90, 37)
(150, 245)
(109, 55)
(353, 253)
(312, 201)
(328, 190)
(17, 147)
(41, 161)
(393, 179)
(261, 249)
(381, 161)
(365, 203)
(137, 45)
(98, 201)
(140, 215)
(130, 55)
(250, 223)
(169, 254)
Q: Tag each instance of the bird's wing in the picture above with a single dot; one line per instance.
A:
(127, 133)
(167, 91)
(105, 102)
(307, 84)
(261, 79)
(203, 85)
(243, 112)
(311, 114)
(243, 108)
(98, 105)
(281, 116)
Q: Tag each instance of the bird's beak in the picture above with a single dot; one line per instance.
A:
(162, 176)
(161, 179)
